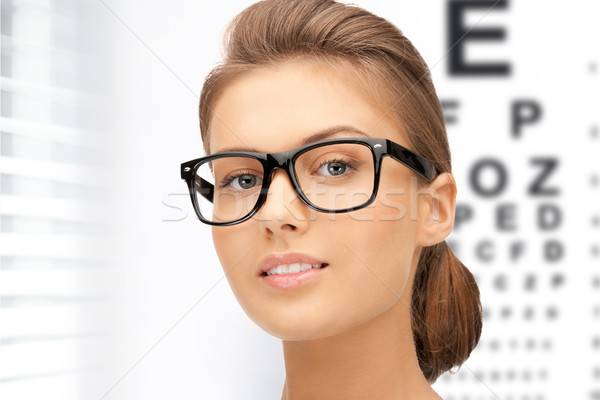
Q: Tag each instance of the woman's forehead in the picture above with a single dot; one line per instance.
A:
(273, 109)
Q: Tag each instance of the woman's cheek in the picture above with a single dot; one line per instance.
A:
(386, 247)
(234, 249)
(232, 245)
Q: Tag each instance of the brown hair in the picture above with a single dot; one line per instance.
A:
(446, 310)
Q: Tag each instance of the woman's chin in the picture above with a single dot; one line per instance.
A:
(300, 331)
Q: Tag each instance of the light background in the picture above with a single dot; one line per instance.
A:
(173, 327)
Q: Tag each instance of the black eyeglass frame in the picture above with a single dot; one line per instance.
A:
(286, 160)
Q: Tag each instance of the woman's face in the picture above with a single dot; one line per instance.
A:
(369, 253)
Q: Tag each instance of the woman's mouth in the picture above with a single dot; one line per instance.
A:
(289, 270)
(294, 268)
(284, 277)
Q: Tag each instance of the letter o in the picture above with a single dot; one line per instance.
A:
(475, 177)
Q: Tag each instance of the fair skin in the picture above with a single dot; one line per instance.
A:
(347, 334)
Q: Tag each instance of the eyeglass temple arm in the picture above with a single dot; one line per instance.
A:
(205, 188)
(412, 160)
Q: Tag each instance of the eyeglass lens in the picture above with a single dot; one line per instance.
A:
(331, 177)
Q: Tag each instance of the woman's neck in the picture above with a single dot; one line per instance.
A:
(375, 360)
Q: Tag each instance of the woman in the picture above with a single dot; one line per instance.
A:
(328, 185)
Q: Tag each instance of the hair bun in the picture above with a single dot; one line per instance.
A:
(447, 316)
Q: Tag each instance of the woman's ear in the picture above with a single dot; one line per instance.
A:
(436, 206)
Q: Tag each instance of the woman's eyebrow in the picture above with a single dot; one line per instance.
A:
(315, 137)
(326, 133)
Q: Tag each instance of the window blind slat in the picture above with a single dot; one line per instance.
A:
(57, 386)
(70, 247)
(19, 46)
(55, 94)
(40, 358)
(52, 133)
(57, 282)
(59, 172)
(41, 322)
(52, 208)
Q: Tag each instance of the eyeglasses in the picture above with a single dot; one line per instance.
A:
(330, 176)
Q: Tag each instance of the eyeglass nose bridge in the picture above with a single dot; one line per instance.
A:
(274, 162)
(277, 161)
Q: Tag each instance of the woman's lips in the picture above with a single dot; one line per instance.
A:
(290, 261)
(289, 281)
(275, 259)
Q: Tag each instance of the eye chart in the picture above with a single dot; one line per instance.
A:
(520, 89)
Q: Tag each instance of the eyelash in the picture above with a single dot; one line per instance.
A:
(230, 178)
(350, 164)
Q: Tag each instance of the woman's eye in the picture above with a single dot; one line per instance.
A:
(244, 182)
(333, 168)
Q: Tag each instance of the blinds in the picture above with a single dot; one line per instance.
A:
(51, 201)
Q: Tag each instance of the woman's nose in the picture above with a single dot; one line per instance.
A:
(283, 211)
